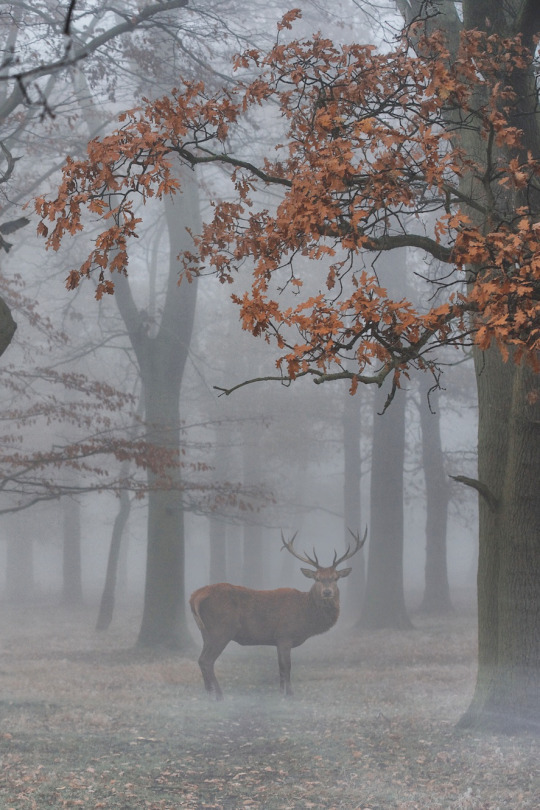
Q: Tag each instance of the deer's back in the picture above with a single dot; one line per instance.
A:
(251, 617)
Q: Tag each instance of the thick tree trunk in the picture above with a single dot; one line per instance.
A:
(162, 359)
(164, 622)
(436, 590)
(507, 696)
(164, 616)
(384, 603)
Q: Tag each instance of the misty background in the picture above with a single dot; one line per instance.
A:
(268, 458)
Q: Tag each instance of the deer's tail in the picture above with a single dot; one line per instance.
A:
(194, 602)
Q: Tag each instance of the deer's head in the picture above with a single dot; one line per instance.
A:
(325, 587)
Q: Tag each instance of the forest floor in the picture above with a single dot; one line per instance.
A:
(88, 721)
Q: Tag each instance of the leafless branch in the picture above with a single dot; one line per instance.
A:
(72, 54)
(69, 15)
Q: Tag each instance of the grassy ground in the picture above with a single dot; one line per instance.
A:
(85, 721)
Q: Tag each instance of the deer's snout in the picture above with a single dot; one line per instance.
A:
(327, 593)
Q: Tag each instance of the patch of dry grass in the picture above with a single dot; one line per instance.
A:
(87, 722)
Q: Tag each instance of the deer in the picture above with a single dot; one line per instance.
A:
(283, 618)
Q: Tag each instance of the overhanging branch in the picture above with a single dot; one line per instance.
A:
(386, 242)
(319, 378)
(481, 488)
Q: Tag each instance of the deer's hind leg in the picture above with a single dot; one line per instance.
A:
(284, 661)
(212, 649)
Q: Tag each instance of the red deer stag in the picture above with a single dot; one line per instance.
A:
(283, 618)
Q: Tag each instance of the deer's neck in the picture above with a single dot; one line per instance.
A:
(325, 611)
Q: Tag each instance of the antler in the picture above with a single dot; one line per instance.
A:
(348, 554)
(289, 546)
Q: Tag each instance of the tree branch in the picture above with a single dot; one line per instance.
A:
(228, 160)
(320, 377)
(67, 60)
(386, 242)
(481, 488)
(390, 242)
(69, 15)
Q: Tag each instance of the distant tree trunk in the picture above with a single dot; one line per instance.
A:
(253, 548)
(384, 603)
(162, 359)
(106, 608)
(299, 494)
(437, 590)
(234, 554)
(20, 584)
(218, 549)
(217, 526)
(253, 565)
(72, 593)
(352, 416)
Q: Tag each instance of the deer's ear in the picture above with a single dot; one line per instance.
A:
(344, 572)
(307, 572)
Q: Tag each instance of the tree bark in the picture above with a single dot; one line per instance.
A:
(436, 598)
(384, 603)
(161, 361)
(507, 695)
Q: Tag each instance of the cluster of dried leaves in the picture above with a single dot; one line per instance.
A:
(88, 722)
(372, 153)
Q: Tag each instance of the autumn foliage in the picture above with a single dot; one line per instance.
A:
(367, 156)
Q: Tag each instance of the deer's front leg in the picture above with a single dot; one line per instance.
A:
(284, 660)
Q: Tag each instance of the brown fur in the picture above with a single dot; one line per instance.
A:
(283, 618)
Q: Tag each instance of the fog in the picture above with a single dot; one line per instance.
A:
(296, 434)
(266, 459)
(110, 719)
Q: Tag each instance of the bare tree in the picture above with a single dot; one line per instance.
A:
(30, 79)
